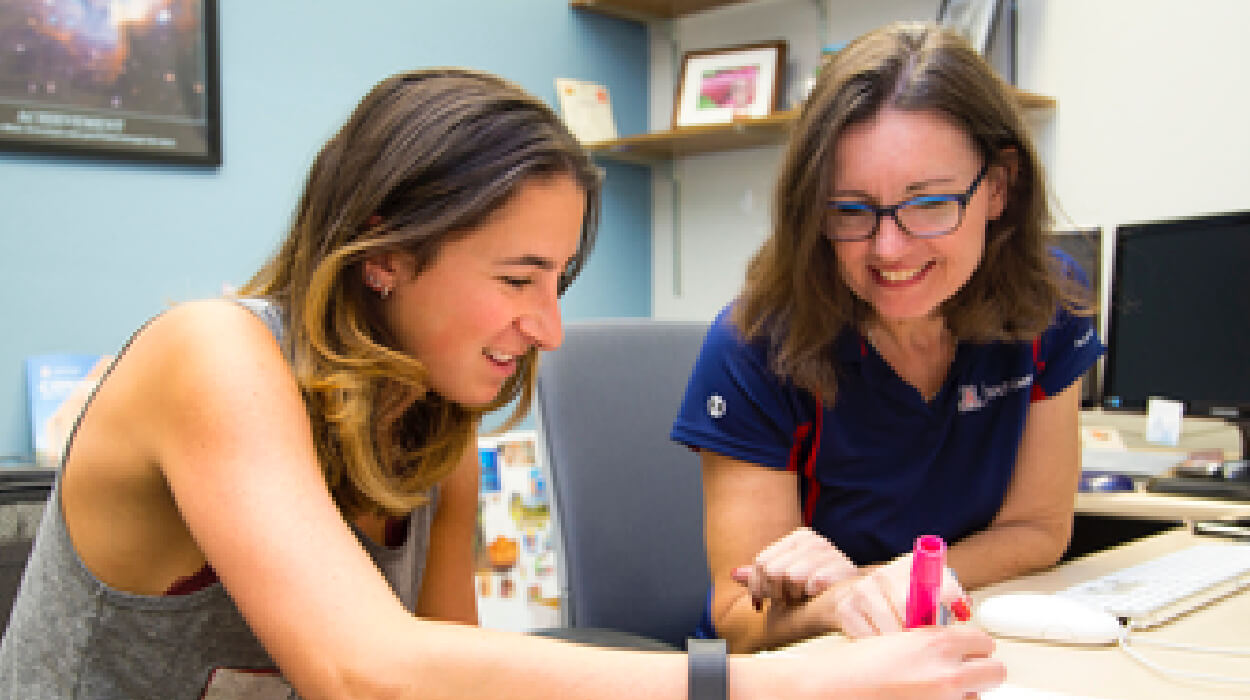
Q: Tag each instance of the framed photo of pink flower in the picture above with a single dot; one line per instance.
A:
(721, 85)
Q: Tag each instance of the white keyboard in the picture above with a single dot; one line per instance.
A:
(1157, 590)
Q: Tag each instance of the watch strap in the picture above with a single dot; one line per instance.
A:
(709, 669)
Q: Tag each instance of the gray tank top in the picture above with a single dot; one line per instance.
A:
(72, 636)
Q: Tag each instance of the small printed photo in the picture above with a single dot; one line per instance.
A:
(484, 586)
(507, 587)
(532, 514)
(517, 453)
(544, 564)
(489, 459)
(502, 553)
(537, 486)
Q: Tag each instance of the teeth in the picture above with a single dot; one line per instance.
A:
(899, 275)
(500, 357)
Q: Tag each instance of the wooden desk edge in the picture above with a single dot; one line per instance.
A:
(1158, 506)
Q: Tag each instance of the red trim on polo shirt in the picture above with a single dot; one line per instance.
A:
(796, 446)
(1036, 393)
(813, 486)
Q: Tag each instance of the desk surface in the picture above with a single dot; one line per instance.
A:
(1159, 506)
(1108, 672)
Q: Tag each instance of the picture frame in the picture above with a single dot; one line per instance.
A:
(974, 19)
(720, 85)
(118, 81)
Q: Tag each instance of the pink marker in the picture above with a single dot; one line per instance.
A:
(928, 560)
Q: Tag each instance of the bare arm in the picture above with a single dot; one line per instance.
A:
(752, 518)
(1034, 524)
(447, 586)
(222, 405)
(1030, 532)
(229, 431)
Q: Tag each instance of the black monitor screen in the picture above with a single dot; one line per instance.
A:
(1179, 322)
(1084, 246)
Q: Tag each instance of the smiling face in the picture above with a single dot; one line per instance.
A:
(895, 156)
(489, 295)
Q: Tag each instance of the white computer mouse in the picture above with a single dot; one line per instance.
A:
(1047, 617)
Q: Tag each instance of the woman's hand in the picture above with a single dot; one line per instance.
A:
(937, 662)
(794, 569)
(875, 602)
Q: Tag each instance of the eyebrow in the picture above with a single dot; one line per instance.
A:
(529, 261)
(912, 187)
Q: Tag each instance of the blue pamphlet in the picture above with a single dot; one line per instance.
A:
(57, 386)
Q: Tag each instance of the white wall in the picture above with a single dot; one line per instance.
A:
(1153, 111)
(1151, 122)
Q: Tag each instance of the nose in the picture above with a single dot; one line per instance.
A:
(542, 324)
(891, 240)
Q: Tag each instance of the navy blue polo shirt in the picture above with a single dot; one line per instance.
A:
(882, 465)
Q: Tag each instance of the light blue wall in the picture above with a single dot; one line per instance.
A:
(89, 250)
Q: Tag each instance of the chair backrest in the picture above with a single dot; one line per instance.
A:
(628, 501)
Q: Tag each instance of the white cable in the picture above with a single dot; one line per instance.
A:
(1137, 656)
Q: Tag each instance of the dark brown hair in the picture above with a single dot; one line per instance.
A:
(794, 294)
(425, 157)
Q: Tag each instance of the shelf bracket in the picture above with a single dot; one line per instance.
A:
(670, 171)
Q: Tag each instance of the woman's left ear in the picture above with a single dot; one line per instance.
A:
(381, 272)
(1002, 176)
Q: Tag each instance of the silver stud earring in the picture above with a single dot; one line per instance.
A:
(385, 292)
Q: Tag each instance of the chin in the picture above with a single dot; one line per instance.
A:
(478, 399)
(904, 312)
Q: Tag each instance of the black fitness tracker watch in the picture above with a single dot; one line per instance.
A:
(709, 670)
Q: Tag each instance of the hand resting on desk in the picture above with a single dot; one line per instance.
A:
(933, 662)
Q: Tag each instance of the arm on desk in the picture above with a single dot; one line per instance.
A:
(1032, 528)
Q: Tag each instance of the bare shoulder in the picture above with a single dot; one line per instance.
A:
(182, 384)
(197, 368)
(180, 355)
(212, 339)
(206, 329)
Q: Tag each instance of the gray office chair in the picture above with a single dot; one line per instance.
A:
(628, 501)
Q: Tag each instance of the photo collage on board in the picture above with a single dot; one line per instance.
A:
(516, 573)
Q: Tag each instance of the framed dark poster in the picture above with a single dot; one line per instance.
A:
(117, 79)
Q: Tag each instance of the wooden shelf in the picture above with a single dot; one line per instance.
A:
(660, 146)
(644, 10)
(693, 140)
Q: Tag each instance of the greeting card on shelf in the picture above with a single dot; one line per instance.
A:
(586, 109)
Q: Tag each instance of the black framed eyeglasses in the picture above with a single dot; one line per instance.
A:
(925, 216)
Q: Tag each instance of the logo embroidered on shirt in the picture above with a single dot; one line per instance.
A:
(973, 397)
(1084, 340)
(969, 400)
(716, 406)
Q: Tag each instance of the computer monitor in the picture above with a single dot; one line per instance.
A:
(1179, 316)
(1084, 245)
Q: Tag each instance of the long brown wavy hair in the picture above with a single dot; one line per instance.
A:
(794, 294)
(425, 157)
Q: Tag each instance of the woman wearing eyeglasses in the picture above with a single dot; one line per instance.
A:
(903, 359)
